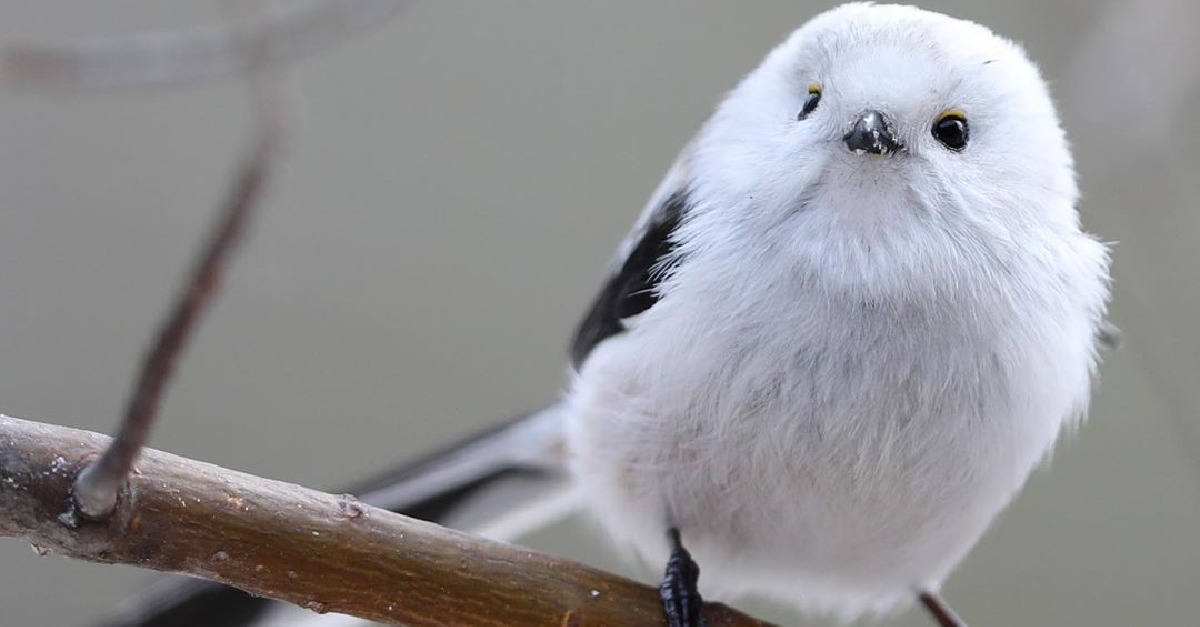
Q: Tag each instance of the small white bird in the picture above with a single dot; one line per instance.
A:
(855, 316)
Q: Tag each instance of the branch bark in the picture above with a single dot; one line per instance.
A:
(323, 552)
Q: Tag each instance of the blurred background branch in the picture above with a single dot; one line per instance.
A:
(249, 45)
(1132, 82)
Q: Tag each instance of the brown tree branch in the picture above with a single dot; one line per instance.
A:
(283, 541)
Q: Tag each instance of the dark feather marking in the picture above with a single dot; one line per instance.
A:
(438, 507)
(634, 287)
(421, 465)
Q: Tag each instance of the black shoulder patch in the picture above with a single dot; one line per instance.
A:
(634, 287)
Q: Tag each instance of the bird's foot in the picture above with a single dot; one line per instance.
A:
(941, 611)
(680, 595)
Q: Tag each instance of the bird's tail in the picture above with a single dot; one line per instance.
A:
(498, 484)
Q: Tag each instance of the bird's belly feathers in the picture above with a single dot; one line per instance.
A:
(843, 464)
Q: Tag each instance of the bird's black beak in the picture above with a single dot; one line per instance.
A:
(870, 133)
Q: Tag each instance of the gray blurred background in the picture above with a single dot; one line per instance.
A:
(459, 182)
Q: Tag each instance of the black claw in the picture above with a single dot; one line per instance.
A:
(680, 595)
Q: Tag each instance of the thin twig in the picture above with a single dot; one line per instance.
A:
(97, 487)
(320, 551)
(941, 611)
(173, 57)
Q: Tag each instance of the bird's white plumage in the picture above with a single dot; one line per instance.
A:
(859, 359)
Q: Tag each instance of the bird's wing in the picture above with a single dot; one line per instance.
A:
(643, 261)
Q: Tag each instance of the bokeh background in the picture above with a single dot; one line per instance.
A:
(459, 181)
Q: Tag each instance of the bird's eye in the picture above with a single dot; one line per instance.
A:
(952, 130)
(811, 102)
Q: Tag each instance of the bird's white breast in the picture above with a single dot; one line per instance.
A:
(830, 444)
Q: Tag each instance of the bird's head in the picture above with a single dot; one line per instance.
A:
(887, 116)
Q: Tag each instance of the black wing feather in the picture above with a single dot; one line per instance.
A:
(634, 287)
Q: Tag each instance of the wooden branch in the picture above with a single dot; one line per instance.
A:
(319, 551)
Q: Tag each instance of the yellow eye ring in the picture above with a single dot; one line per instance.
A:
(811, 101)
(952, 130)
(952, 114)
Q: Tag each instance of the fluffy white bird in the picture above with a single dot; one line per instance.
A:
(855, 316)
